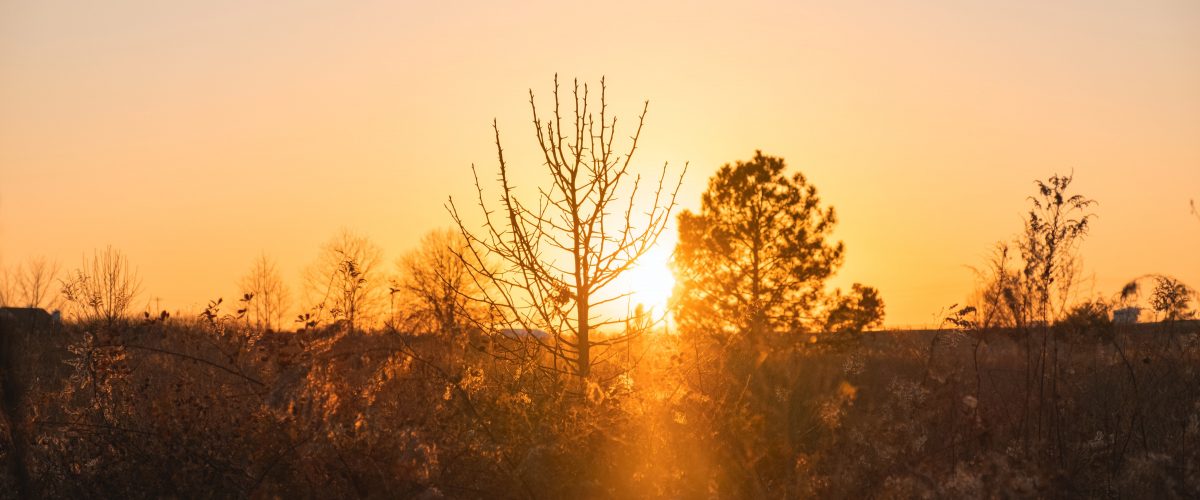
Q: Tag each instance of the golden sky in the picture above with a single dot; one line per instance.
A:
(195, 135)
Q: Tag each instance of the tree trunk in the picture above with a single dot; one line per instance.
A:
(584, 360)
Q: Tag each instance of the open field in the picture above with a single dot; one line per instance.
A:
(174, 408)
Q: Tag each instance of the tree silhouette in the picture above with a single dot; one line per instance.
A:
(35, 282)
(103, 288)
(31, 284)
(756, 256)
(1172, 299)
(345, 281)
(856, 311)
(269, 297)
(7, 294)
(440, 294)
(558, 255)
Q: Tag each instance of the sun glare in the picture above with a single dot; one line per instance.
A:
(650, 281)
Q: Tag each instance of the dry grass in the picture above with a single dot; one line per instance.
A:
(209, 409)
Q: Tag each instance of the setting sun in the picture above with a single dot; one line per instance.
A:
(650, 282)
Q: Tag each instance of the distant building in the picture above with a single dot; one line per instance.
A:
(26, 317)
(1126, 315)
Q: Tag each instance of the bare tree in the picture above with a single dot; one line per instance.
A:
(103, 288)
(30, 284)
(559, 254)
(268, 296)
(8, 295)
(35, 282)
(439, 292)
(345, 281)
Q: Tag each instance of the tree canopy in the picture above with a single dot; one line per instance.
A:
(756, 256)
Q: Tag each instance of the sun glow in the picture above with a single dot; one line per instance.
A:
(650, 281)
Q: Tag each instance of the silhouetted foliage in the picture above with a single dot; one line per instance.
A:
(1034, 286)
(102, 288)
(855, 312)
(1172, 299)
(266, 295)
(345, 282)
(1054, 227)
(756, 256)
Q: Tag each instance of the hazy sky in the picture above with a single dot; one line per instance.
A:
(194, 136)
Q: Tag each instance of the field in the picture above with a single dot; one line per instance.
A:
(185, 408)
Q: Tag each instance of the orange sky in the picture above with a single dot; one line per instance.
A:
(196, 136)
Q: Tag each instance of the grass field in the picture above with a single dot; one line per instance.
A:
(182, 408)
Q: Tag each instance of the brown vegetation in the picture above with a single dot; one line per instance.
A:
(199, 408)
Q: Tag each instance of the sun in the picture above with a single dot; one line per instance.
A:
(650, 281)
